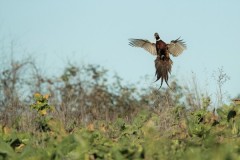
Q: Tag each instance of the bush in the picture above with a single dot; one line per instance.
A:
(81, 114)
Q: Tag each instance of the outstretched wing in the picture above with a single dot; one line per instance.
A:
(176, 47)
(145, 44)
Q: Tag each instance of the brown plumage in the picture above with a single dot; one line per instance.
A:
(163, 69)
(163, 63)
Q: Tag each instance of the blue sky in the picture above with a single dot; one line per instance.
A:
(58, 31)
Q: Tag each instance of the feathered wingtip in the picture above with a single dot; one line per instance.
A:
(132, 42)
(163, 69)
(180, 41)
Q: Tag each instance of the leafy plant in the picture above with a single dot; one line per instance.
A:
(42, 107)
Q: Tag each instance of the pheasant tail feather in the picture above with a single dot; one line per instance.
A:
(163, 69)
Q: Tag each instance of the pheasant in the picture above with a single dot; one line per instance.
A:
(162, 50)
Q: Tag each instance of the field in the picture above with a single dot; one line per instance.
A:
(82, 115)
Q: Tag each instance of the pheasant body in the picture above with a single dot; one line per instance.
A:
(163, 63)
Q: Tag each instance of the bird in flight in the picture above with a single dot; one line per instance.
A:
(162, 50)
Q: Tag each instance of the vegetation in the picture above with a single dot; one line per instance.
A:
(81, 114)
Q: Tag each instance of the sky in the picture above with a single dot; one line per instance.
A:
(97, 32)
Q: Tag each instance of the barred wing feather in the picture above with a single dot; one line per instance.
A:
(145, 44)
(176, 47)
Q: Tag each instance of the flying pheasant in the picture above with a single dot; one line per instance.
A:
(162, 50)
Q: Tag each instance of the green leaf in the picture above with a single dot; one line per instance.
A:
(6, 151)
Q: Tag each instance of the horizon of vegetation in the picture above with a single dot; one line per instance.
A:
(82, 114)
